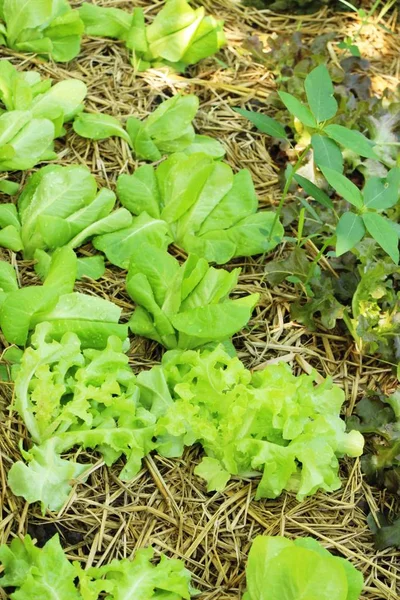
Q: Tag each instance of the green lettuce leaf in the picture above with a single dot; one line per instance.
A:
(183, 306)
(49, 28)
(46, 573)
(33, 115)
(178, 36)
(209, 211)
(61, 206)
(281, 569)
(69, 396)
(271, 421)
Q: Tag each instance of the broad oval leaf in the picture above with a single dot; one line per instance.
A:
(263, 123)
(349, 231)
(297, 109)
(326, 153)
(319, 91)
(343, 186)
(351, 139)
(383, 231)
(96, 126)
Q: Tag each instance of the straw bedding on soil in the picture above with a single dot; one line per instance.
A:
(167, 505)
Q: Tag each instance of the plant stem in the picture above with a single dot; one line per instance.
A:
(286, 188)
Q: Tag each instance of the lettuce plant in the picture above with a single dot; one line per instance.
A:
(32, 114)
(270, 421)
(68, 396)
(49, 28)
(59, 206)
(168, 129)
(93, 319)
(184, 306)
(206, 208)
(282, 569)
(47, 573)
(178, 36)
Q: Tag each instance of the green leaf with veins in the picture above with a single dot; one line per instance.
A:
(319, 91)
(351, 139)
(383, 231)
(326, 153)
(298, 110)
(349, 231)
(263, 123)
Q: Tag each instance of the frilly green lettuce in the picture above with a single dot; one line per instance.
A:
(68, 396)
(271, 421)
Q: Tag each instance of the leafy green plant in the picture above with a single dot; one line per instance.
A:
(364, 296)
(196, 202)
(178, 36)
(184, 306)
(46, 572)
(325, 141)
(282, 569)
(49, 28)
(68, 396)
(59, 206)
(168, 129)
(93, 319)
(32, 115)
(269, 421)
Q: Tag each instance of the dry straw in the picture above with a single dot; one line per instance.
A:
(166, 505)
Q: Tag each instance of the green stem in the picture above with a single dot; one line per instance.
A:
(316, 259)
(286, 189)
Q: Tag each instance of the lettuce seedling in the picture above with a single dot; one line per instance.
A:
(166, 130)
(184, 306)
(91, 318)
(282, 569)
(178, 36)
(205, 207)
(59, 206)
(32, 115)
(49, 28)
(47, 573)
(69, 396)
(270, 421)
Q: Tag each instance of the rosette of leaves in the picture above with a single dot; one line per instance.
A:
(272, 422)
(184, 306)
(207, 209)
(178, 36)
(68, 396)
(166, 130)
(59, 206)
(32, 115)
(49, 28)
(47, 573)
(91, 318)
(299, 569)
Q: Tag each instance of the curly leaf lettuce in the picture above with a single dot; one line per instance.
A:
(49, 28)
(68, 396)
(271, 421)
(209, 210)
(60, 206)
(281, 569)
(32, 115)
(47, 573)
(178, 36)
(184, 306)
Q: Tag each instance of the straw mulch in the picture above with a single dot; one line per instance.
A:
(166, 505)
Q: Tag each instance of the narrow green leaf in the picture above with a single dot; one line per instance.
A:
(312, 190)
(319, 91)
(263, 123)
(351, 139)
(349, 231)
(297, 109)
(384, 233)
(343, 186)
(326, 153)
